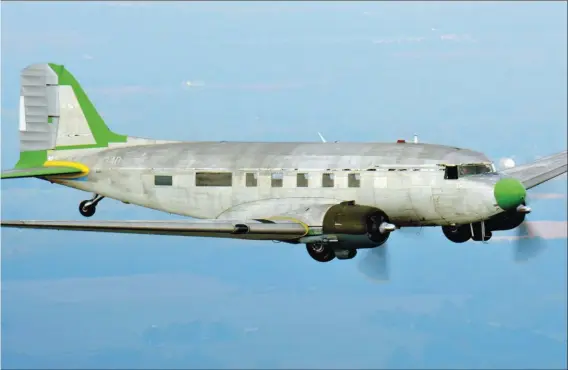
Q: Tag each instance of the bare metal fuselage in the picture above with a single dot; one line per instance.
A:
(405, 180)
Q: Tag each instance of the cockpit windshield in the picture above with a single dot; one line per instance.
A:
(474, 169)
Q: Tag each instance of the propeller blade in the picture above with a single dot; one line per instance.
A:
(528, 244)
(375, 264)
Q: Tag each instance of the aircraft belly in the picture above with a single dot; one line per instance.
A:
(125, 186)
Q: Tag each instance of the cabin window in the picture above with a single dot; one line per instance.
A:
(302, 180)
(160, 180)
(327, 180)
(451, 173)
(213, 179)
(251, 180)
(276, 179)
(354, 180)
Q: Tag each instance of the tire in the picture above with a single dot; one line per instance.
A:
(86, 211)
(320, 252)
(459, 234)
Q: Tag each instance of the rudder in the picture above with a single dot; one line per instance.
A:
(56, 114)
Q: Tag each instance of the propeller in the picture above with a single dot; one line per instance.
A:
(375, 264)
(528, 243)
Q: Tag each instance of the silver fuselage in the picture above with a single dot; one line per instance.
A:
(404, 180)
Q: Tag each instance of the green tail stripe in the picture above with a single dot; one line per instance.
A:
(31, 159)
(102, 134)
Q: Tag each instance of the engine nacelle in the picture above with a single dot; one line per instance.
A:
(354, 226)
(505, 220)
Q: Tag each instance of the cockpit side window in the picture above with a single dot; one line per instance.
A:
(474, 169)
(451, 173)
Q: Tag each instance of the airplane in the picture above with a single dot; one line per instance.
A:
(333, 197)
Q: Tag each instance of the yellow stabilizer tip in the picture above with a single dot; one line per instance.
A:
(79, 166)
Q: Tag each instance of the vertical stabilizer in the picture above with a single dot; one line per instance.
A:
(56, 114)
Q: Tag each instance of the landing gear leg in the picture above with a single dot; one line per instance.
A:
(479, 232)
(88, 208)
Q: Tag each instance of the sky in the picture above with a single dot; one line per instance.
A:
(489, 76)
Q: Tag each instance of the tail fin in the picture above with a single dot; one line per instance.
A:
(56, 114)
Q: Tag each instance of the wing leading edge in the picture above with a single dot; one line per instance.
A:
(248, 230)
(39, 171)
(539, 171)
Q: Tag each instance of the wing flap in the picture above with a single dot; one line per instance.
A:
(248, 230)
(539, 171)
(20, 173)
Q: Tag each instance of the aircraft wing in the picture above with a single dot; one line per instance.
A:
(248, 230)
(539, 171)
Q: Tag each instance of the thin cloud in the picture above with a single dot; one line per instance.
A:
(260, 86)
(548, 196)
(457, 38)
(191, 84)
(120, 91)
(246, 86)
(130, 90)
(251, 7)
(119, 288)
(541, 229)
(398, 40)
(29, 41)
(453, 37)
(126, 4)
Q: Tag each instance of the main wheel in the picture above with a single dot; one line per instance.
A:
(87, 210)
(457, 234)
(320, 252)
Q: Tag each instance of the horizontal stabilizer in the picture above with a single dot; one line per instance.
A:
(250, 230)
(39, 172)
(539, 171)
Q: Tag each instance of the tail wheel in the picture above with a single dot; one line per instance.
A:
(320, 252)
(87, 210)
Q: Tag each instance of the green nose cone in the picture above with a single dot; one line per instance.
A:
(509, 193)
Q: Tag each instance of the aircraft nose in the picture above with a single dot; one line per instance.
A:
(509, 193)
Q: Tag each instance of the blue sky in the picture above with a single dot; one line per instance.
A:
(488, 76)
